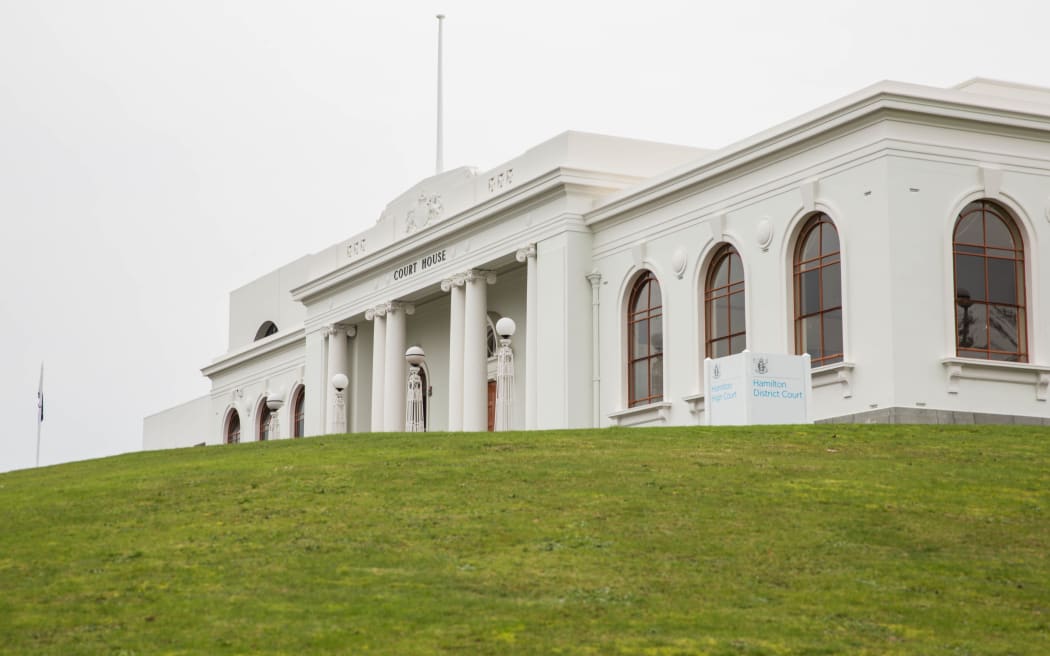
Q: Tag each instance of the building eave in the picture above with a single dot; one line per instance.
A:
(255, 350)
(557, 180)
(864, 104)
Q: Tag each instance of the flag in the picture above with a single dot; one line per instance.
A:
(40, 396)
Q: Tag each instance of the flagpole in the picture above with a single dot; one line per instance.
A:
(440, 164)
(39, 412)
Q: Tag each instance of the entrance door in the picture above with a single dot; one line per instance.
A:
(492, 405)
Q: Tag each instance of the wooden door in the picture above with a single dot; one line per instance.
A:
(492, 405)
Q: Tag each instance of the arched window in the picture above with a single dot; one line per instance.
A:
(818, 292)
(724, 304)
(265, 330)
(298, 413)
(645, 342)
(989, 285)
(263, 426)
(233, 428)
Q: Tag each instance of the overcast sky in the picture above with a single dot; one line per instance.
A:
(155, 155)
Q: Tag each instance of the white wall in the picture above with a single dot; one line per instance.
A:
(184, 425)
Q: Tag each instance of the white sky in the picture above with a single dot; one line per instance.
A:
(156, 154)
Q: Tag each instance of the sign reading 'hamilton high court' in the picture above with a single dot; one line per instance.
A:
(421, 264)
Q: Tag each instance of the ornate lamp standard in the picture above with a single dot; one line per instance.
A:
(340, 383)
(505, 327)
(415, 419)
(274, 401)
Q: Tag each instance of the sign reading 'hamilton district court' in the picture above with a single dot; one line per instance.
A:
(422, 264)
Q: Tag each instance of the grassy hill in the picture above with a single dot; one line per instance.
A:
(765, 540)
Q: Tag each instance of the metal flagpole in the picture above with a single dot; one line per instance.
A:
(40, 412)
(440, 164)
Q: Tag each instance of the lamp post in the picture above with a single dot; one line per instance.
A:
(274, 402)
(415, 411)
(505, 328)
(340, 383)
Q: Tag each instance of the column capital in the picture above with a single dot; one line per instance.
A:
(525, 253)
(335, 329)
(377, 311)
(399, 306)
(480, 274)
(456, 280)
(595, 277)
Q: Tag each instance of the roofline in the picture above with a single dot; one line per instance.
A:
(886, 95)
(556, 179)
(255, 349)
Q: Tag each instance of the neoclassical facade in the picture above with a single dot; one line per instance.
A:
(900, 236)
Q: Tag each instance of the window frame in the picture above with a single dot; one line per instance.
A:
(644, 281)
(727, 291)
(299, 413)
(229, 435)
(986, 206)
(262, 421)
(816, 222)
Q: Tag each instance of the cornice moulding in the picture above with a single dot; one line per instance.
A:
(557, 181)
(254, 350)
(873, 103)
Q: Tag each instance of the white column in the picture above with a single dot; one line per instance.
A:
(396, 368)
(454, 286)
(595, 279)
(528, 255)
(475, 351)
(336, 335)
(378, 319)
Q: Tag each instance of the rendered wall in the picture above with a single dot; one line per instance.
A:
(184, 425)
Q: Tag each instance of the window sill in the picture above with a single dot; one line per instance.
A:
(695, 402)
(642, 414)
(1022, 373)
(840, 373)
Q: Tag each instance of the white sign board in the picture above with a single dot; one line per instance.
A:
(757, 388)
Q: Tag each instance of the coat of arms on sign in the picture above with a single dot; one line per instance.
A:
(762, 366)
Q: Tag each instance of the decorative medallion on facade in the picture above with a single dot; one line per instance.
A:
(678, 262)
(764, 234)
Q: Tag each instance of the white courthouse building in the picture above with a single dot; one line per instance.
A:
(900, 236)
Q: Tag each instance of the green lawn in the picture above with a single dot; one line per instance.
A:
(764, 540)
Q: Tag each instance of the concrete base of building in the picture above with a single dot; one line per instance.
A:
(929, 416)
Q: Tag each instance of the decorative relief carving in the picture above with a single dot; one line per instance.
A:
(428, 209)
(356, 247)
(501, 180)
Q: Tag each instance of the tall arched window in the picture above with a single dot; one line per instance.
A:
(263, 427)
(298, 413)
(724, 304)
(818, 292)
(645, 342)
(989, 285)
(233, 428)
